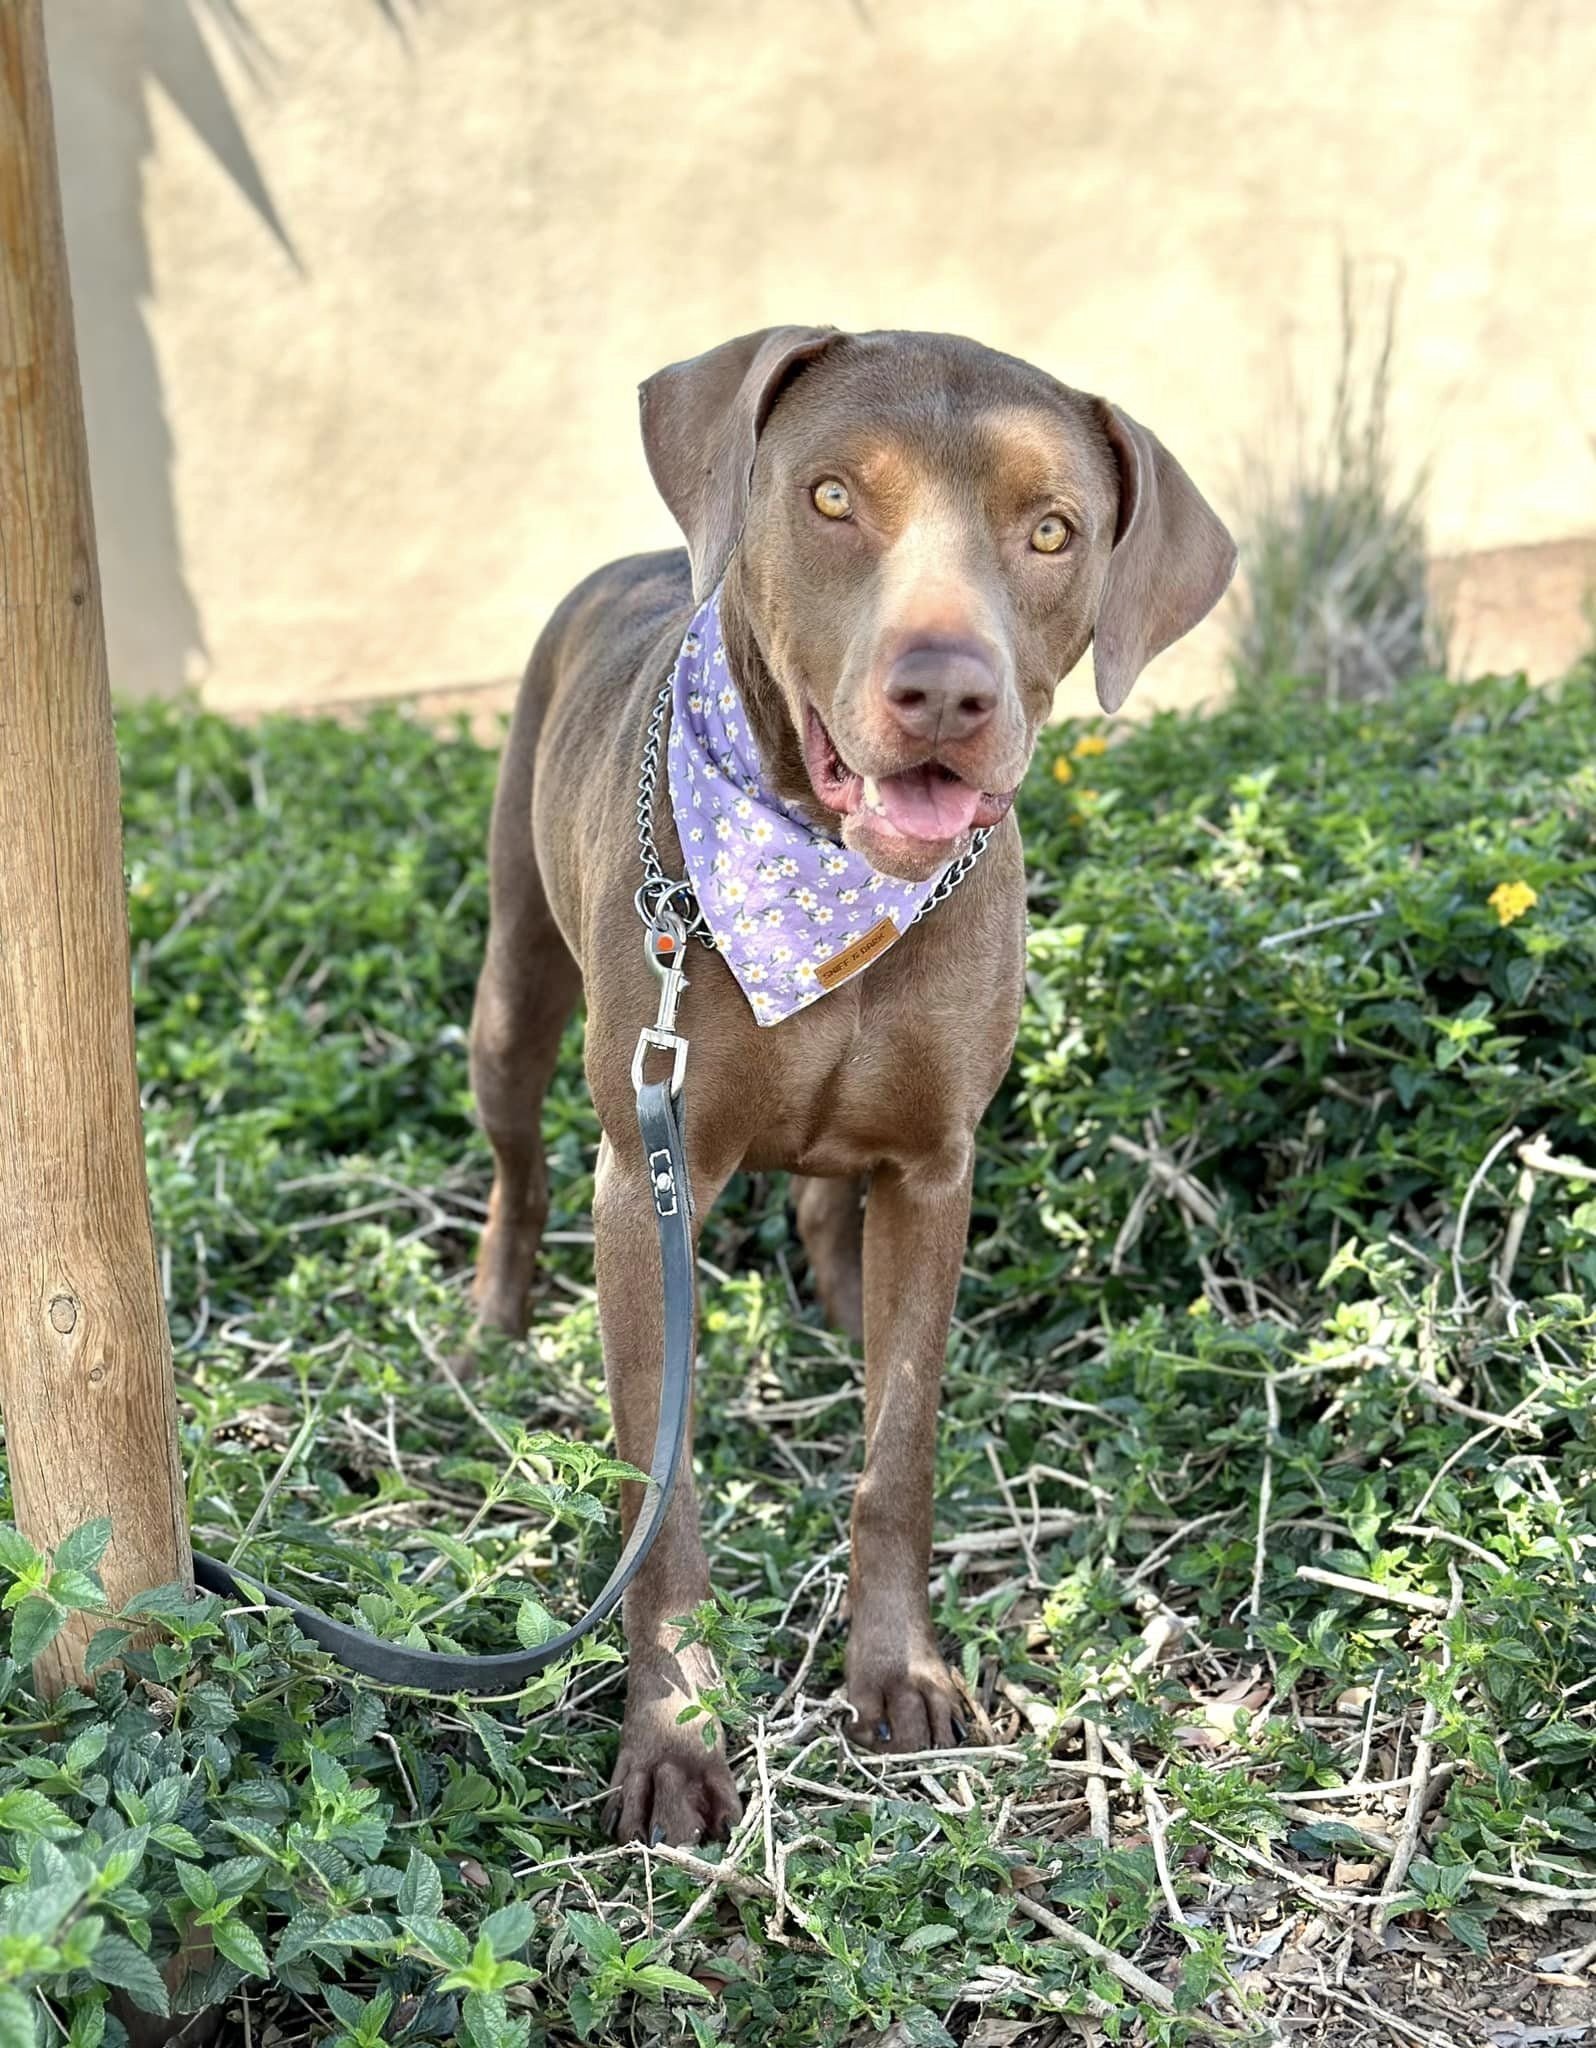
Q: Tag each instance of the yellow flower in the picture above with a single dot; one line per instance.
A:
(1062, 771)
(1510, 900)
(1202, 1306)
(1088, 744)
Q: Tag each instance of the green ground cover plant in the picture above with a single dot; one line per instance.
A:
(1282, 1263)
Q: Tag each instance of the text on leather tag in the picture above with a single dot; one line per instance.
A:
(869, 947)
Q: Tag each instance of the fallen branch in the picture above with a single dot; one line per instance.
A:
(1172, 1177)
(1391, 1596)
(1055, 1522)
(1407, 1840)
(1320, 1793)
(1158, 1830)
(1266, 1488)
(1564, 1894)
(1404, 2030)
(741, 1884)
(1096, 1790)
(1323, 924)
(1333, 1901)
(1535, 1156)
(1460, 1293)
(1146, 1988)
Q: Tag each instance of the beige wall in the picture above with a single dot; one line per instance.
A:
(364, 287)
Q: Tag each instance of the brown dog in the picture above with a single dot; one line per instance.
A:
(990, 523)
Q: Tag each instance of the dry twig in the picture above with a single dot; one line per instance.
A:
(1407, 1840)
(1390, 1596)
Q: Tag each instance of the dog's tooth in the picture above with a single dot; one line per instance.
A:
(872, 793)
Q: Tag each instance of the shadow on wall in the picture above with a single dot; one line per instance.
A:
(106, 55)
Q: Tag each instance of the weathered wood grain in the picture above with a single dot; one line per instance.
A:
(85, 1358)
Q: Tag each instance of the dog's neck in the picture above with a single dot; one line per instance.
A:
(769, 715)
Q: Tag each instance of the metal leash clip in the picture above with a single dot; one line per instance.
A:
(665, 943)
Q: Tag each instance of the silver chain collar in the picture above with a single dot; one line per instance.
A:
(660, 897)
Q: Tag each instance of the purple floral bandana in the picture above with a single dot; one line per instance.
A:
(794, 913)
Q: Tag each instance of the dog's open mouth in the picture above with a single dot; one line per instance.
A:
(928, 805)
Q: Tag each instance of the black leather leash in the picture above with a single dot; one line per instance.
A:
(659, 1118)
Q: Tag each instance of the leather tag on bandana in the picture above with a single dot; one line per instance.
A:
(870, 946)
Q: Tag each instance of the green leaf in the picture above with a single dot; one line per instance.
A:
(328, 1774)
(346, 2008)
(77, 1590)
(485, 2023)
(76, 1944)
(534, 1625)
(39, 1907)
(88, 1747)
(359, 1930)
(174, 1836)
(492, 1738)
(421, 1891)
(439, 1937)
(88, 2026)
(509, 1929)
(661, 1977)
(1471, 1926)
(161, 1603)
(478, 1973)
(197, 1885)
(19, 2016)
(117, 1962)
(585, 2010)
(363, 2017)
(121, 1857)
(596, 1940)
(241, 1946)
(301, 1937)
(34, 1627)
(105, 1645)
(30, 1813)
(311, 1932)
(236, 1875)
(17, 1554)
(1324, 1837)
(83, 1549)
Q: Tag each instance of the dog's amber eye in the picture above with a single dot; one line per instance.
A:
(1050, 534)
(832, 499)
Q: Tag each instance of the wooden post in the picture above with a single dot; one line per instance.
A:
(85, 1357)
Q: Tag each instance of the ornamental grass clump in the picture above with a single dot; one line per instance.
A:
(1334, 584)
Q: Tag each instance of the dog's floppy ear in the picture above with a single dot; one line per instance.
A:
(1171, 562)
(701, 424)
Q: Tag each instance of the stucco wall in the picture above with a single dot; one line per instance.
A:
(365, 287)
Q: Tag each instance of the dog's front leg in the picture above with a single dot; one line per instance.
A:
(915, 1230)
(668, 1785)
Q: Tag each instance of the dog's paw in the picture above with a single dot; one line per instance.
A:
(914, 1706)
(670, 1788)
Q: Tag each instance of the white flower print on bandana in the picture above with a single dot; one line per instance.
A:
(794, 913)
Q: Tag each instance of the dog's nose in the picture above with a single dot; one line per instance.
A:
(942, 689)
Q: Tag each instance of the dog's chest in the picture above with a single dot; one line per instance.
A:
(867, 1077)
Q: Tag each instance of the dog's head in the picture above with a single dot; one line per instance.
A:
(922, 537)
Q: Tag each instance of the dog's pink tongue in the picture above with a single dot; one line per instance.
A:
(924, 805)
